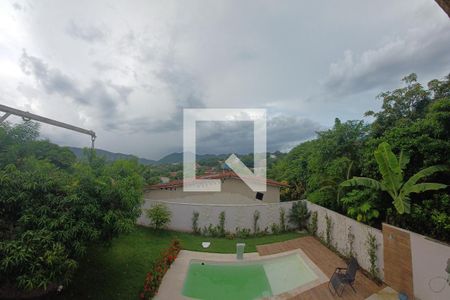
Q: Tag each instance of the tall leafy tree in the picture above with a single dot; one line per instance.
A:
(52, 208)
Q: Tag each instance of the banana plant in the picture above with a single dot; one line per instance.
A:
(393, 181)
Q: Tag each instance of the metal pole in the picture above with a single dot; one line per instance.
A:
(29, 116)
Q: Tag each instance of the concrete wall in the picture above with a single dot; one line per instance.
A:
(230, 186)
(236, 215)
(429, 259)
(340, 230)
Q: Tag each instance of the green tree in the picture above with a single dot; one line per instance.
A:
(403, 104)
(392, 182)
(52, 208)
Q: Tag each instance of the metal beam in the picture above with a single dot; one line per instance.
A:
(445, 5)
(29, 116)
(4, 117)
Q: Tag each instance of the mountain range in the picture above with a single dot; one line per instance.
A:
(173, 158)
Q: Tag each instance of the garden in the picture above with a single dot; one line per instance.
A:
(119, 270)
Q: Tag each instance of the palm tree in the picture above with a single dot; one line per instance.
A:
(392, 182)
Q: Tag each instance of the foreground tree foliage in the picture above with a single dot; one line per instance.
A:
(414, 120)
(52, 208)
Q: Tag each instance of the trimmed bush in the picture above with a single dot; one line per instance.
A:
(159, 216)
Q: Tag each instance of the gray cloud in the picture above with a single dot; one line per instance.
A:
(426, 49)
(17, 6)
(52, 80)
(283, 133)
(103, 97)
(182, 85)
(184, 91)
(88, 33)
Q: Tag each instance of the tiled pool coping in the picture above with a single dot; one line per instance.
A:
(172, 283)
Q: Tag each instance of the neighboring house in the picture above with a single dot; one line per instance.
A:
(233, 191)
(164, 179)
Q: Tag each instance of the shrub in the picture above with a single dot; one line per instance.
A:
(372, 247)
(351, 241)
(211, 230)
(221, 226)
(207, 230)
(298, 214)
(275, 228)
(230, 235)
(158, 269)
(360, 205)
(243, 233)
(215, 231)
(283, 226)
(329, 233)
(195, 227)
(159, 216)
(312, 228)
(256, 216)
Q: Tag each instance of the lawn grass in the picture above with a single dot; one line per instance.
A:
(117, 271)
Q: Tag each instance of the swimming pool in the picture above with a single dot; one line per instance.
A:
(246, 280)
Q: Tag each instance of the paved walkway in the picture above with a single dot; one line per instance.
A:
(327, 261)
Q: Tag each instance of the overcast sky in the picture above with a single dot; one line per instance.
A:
(126, 69)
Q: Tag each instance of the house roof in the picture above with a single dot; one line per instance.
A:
(222, 175)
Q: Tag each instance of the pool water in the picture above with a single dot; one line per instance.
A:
(246, 280)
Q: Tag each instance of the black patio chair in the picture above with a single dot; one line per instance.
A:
(344, 276)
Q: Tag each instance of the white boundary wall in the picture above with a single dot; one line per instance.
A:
(429, 260)
(235, 215)
(339, 233)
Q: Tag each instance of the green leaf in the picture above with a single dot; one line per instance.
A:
(389, 167)
(423, 187)
(402, 204)
(403, 160)
(422, 174)
(363, 181)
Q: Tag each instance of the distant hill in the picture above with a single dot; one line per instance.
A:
(173, 158)
(111, 156)
(177, 157)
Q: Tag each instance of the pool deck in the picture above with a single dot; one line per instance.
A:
(327, 261)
